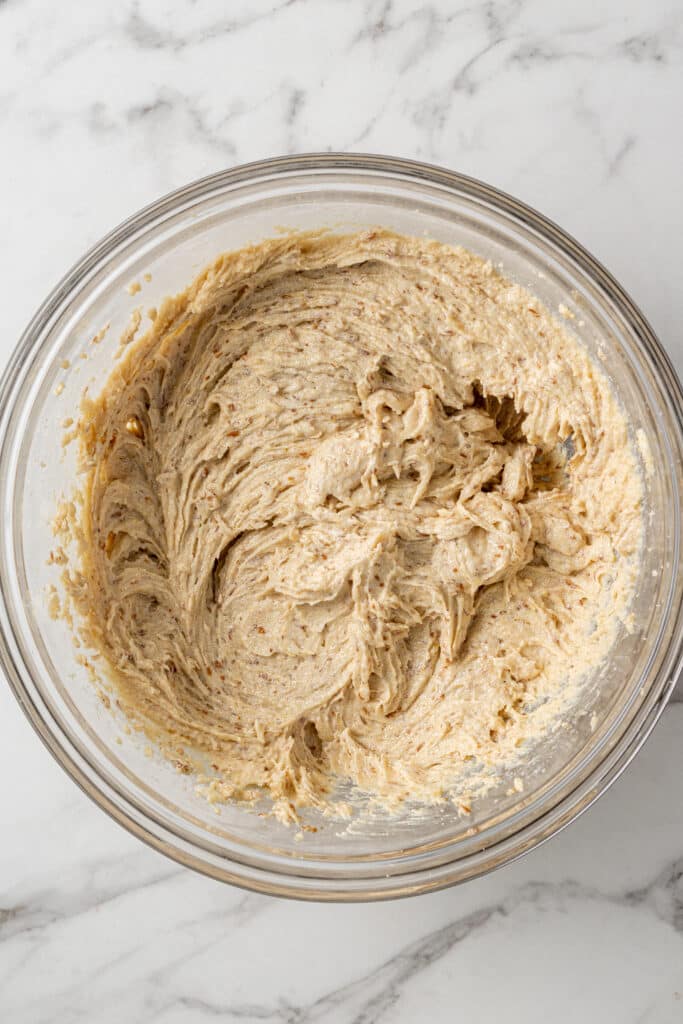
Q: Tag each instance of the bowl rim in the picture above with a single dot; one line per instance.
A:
(133, 817)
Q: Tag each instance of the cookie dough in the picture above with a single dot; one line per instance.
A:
(357, 509)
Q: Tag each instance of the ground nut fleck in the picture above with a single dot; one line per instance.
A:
(134, 426)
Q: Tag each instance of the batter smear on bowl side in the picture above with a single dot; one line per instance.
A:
(357, 508)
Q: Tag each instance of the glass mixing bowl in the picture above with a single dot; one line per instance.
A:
(372, 857)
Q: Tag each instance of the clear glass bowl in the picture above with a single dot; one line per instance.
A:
(171, 240)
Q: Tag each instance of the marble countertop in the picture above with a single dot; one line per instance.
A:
(572, 107)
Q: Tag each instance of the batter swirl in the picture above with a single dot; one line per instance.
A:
(356, 507)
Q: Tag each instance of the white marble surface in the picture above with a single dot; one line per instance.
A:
(576, 109)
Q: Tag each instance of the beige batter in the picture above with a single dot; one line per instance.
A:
(358, 508)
